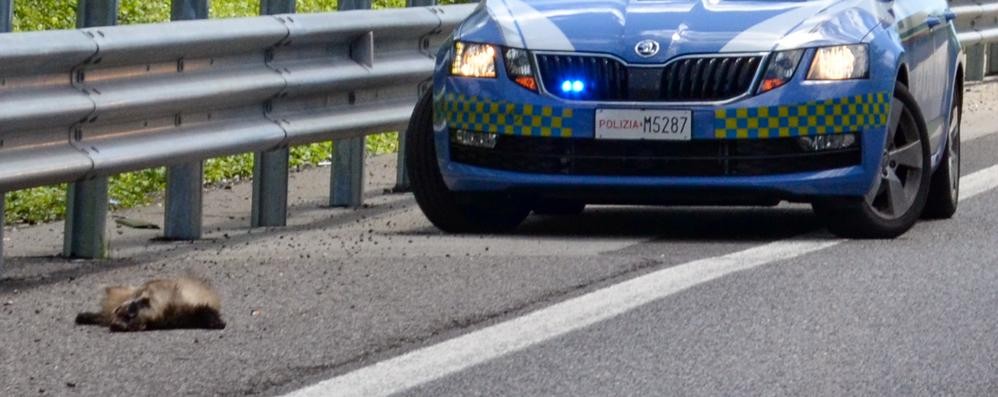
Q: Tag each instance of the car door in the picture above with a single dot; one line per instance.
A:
(948, 54)
(940, 21)
(922, 26)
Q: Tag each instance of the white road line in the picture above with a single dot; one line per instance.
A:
(434, 362)
(978, 182)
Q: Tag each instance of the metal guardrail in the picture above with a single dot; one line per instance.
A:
(80, 105)
(977, 28)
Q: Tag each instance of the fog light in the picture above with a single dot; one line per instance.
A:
(475, 139)
(826, 142)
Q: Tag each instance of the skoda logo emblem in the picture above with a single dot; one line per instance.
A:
(647, 48)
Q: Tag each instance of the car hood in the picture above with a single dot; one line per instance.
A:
(679, 26)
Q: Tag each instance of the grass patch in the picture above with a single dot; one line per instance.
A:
(61, 14)
(133, 189)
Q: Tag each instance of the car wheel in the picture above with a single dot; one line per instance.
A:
(899, 194)
(446, 209)
(559, 207)
(944, 193)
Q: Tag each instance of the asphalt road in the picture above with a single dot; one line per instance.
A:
(618, 301)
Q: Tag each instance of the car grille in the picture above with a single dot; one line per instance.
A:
(708, 79)
(699, 79)
(607, 77)
(592, 157)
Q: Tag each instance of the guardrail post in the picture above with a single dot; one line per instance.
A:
(347, 184)
(272, 7)
(354, 5)
(183, 10)
(976, 68)
(2, 194)
(401, 175)
(86, 202)
(347, 189)
(182, 215)
(270, 188)
(6, 24)
(6, 15)
(86, 219)
(270, 168)
(90, 13)
(993, 59)
(183, 201)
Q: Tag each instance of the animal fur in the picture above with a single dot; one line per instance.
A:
(158, 304)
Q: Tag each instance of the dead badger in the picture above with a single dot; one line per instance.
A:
(182, 302)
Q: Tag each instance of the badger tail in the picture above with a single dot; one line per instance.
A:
(87, 318)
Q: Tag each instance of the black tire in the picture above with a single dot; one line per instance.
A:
(444, 208)
(944, 192)
(875, 216)
(559, 207)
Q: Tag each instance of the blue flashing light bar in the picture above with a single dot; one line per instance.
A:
(573, 86)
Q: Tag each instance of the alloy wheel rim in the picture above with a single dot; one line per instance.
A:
(896, 189)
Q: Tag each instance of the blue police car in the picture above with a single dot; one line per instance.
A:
(546, 106)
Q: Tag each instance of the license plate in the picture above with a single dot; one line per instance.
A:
(637, 124)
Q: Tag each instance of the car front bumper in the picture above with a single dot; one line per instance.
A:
(800, 108)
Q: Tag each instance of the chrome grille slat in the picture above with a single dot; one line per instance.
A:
(729, 81)
(708, 78)
(722, 71)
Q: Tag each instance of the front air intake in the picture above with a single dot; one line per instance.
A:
(606, 79)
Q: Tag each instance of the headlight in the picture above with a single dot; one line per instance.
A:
(520, 68)
(846, 62)
(780, 70)
(474, 60)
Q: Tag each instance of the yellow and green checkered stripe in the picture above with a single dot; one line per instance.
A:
(503, 117)
(835, 116)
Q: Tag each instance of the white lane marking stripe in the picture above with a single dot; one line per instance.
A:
(427, 364)
(437, 361)
(978, 182)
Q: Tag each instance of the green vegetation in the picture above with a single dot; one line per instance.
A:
(61, 14)
(46, 204)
